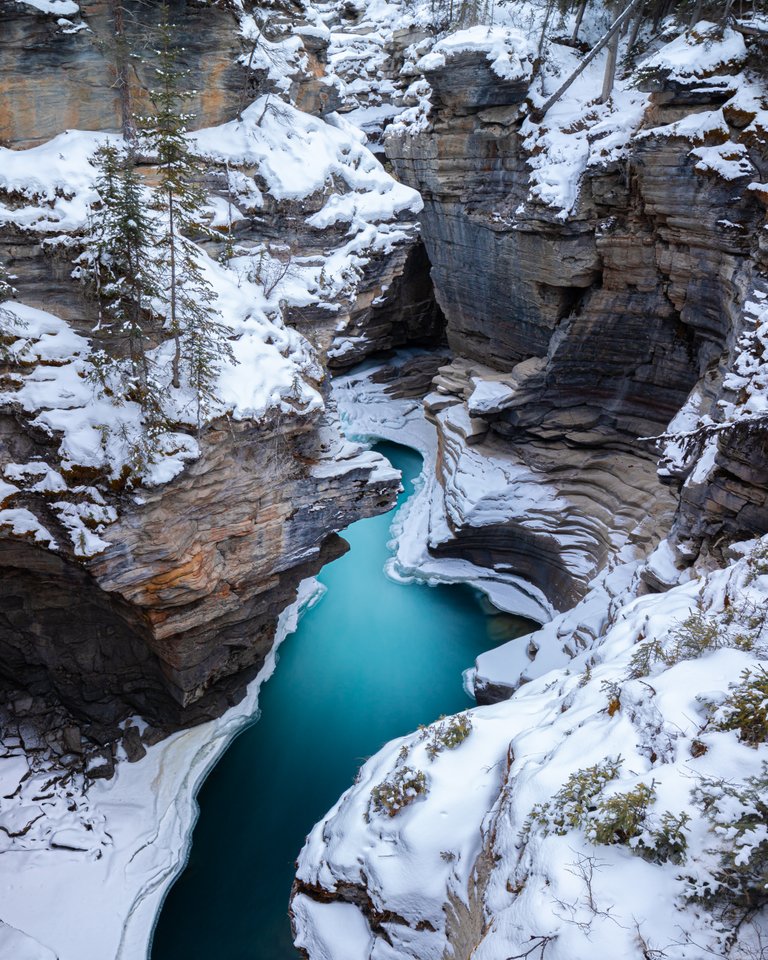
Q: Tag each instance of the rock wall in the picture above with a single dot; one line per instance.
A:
(178, 614)
(174, 618)
(591, 329)
(396, 307)
(55, 77)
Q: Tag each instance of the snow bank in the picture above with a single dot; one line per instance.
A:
(55, 177)
(704, 51)
(298, 155)
(93, 434)
(467, 864)
(61, 8)
(509, 51)
(87, 880)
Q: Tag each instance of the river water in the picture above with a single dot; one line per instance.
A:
(370, 662)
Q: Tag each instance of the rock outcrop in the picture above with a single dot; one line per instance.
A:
(577, 335)
(396, 308)
(177, 615)
(59, 73)
(175, 612)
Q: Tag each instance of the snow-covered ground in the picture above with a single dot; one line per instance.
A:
(367, 413)
(87, 879)
(502, 853)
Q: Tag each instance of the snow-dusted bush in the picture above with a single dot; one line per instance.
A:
(620, 819)
(625, 819)
(669, 842)
(746, 710)
(575, 800)
(446, 734)
(738, 817)
(402, 788)
(758, 563)
(6, 287)
(693, 637)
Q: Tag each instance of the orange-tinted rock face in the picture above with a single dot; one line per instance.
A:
(178, 614)
(52, 81)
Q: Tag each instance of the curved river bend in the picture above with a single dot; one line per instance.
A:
(370, 662)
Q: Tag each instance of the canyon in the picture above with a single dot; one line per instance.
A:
(565, 314)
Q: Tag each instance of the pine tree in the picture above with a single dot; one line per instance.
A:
(200, 339)
(7, 290)
(118, 263)
(8, 321)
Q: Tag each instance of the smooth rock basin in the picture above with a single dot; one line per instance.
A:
(370, 662)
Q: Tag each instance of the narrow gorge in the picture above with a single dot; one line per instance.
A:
(523, 239)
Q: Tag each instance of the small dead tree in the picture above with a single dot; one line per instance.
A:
(600, 45)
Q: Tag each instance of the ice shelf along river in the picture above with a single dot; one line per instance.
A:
(370, 662)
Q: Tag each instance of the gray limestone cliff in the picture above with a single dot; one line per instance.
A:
(594, 328)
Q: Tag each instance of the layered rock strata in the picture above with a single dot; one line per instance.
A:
(173, 613)
(59, 73)
(174, 618)
(581, 328)
(579, 335)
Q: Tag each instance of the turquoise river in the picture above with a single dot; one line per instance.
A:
(370, 662)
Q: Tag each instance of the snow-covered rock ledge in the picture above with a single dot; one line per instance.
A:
(88, 883)
(368, 411)
(611, 808)
(179, 540)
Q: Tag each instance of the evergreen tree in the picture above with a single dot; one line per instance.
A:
(7, 290)
(7, 319)
(200, 339)
(118, 262)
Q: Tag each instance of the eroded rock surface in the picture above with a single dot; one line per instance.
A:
(578, 335)
(173, 613)
(177, 615)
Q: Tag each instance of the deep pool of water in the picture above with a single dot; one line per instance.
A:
(370, 662)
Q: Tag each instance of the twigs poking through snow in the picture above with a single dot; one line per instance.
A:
(584, 869)
(649, 952)
(540, 942)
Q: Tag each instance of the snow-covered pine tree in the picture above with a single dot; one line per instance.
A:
(200, 339)
(7, 290)
(119, 265)
(7, 319)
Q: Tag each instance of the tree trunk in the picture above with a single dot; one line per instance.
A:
(610, 67)
(579, 18)
(121, 69)
(176, 381)
(547, 15)
(618, 23)
(636, 24)
(696, 15)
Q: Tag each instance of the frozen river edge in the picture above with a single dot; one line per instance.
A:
(130, 877)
